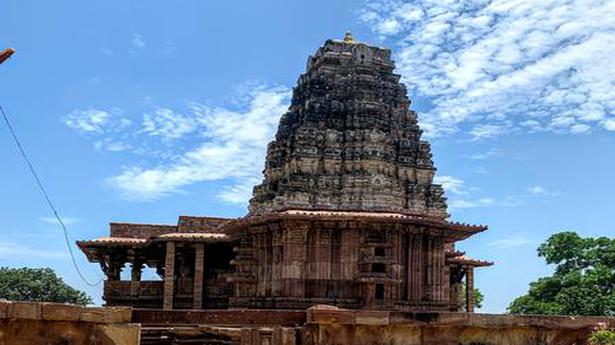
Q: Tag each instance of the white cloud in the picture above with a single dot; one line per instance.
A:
(232, 148)
(168, 124)
(92, 121)
(89, 120)
(486, 155)
(536, 190)
(494, 67)
(482, 202)
(541, 191)
(138, 41)
(66, 220)
(240, 192)
(515, 240)
(610, 124)
(451, 184)
(480, 132)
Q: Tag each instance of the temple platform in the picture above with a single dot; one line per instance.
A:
(328, 325)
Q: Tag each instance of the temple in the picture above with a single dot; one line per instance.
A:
(347, 213)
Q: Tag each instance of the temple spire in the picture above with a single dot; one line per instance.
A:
(348, 38)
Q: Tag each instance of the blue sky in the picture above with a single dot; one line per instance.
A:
(144, 111)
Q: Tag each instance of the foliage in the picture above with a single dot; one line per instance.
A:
(602, 337)
(38, 285)
(583, 282)
(479, 298)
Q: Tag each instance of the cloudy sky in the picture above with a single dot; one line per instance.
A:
(144, 111)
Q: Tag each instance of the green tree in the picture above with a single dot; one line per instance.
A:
(38, 285)
(602, 337)
(583, 282)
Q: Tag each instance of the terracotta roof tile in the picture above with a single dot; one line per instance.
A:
(194, 236)
(466, 260)
(297, 213)
(115, 240)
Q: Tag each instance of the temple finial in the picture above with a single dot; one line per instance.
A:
(348, 37)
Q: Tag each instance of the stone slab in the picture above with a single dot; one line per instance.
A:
(372, 317)
(106, 315)
(61, 312)
(24, 310)
(4, 306)
(330, 316)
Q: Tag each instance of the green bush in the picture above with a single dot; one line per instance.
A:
(602, 337)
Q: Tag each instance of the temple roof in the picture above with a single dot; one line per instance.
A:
(468, 261)
(461, 230)
(114, 241)
(201, 237)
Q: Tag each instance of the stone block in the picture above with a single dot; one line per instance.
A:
(371, 317)
(284, 336)
(4, 306)
(24, 310)
(95, 315)
(61, 312)
(246, 336)
(330, 316)
(106, 315)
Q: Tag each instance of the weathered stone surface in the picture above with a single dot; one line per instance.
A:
(106, 315)
(33, 323)
(455, 329)
(61, 312)
(4, 306)
(372, 317)
(24, 310)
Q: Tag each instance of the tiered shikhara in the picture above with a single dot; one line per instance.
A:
(347, 214)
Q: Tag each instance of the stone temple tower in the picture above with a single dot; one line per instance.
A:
(349, 141)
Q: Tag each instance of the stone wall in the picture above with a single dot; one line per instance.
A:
(329, 326)
(25, 323)
(131, 230)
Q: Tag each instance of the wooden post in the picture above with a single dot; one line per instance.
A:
(169, 276)
(470, 289)
(199, 266)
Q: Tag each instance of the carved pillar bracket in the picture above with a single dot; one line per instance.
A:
(169, 276)
(199, 267)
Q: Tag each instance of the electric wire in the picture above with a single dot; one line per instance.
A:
(47, 198)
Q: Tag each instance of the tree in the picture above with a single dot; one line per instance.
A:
(602, 337)
(583, 282)
(38, 285)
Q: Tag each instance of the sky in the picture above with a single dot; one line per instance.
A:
(143, 111)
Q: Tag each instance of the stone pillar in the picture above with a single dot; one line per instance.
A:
(370, 291)
(169, 276)
(199, 267)
(135, 276)
(470, 289)
(295, 257)
(114, 270)
(135, 273)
